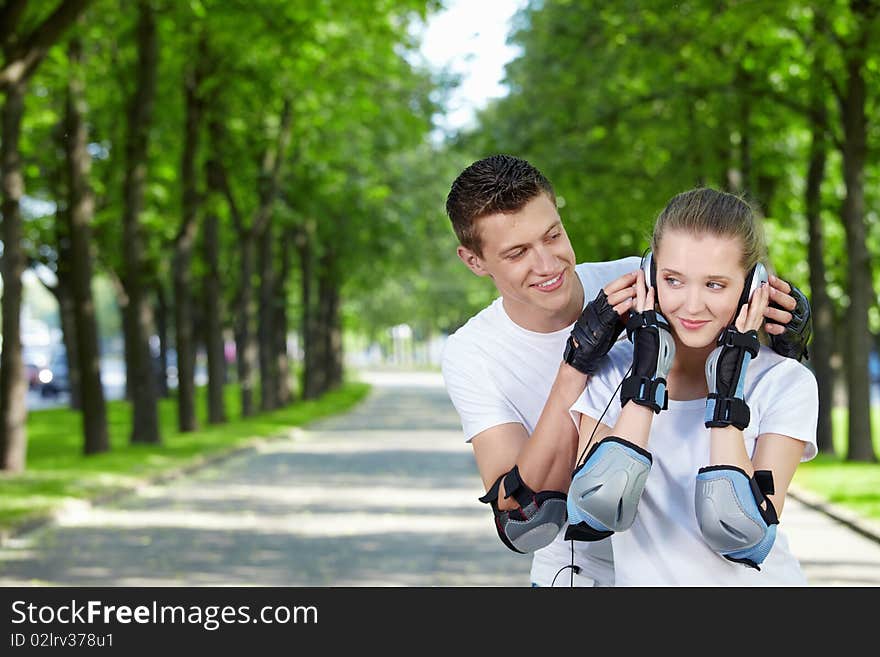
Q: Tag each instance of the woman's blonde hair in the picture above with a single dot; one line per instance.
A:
(706, 210)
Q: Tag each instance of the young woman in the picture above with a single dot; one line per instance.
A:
(688, 466)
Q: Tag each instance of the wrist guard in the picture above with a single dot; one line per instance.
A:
(592, 335)
(793, 342)
(726, 375)
(735, 516)
(653, 352)
(536, 523)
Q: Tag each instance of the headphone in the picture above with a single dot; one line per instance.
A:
(756, 276)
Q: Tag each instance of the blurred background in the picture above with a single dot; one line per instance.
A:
(203, 196)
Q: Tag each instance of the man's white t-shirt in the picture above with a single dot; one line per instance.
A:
(497, 372)
(664, 546)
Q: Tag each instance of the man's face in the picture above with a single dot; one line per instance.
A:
(528, 256)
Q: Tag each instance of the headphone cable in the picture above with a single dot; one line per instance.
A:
(575, 568)
(596, 426)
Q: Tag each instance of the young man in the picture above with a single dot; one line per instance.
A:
(514, 370)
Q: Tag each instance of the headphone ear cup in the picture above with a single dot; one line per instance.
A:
(759, 277)
(754, 279)
(650, 269)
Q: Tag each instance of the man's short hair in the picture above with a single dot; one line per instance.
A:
(498, 183)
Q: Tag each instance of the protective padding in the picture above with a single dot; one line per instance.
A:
(535, 523)
(646, 386)
(729, 516)
(712, 371)
(606, 489)
(666, 355)
(725, 404)
(541, 527)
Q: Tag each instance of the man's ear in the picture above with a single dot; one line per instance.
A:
(472, 260)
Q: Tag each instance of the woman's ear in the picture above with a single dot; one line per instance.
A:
(472, 261)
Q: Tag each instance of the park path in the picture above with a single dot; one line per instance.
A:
(385, 495)
(382, 496)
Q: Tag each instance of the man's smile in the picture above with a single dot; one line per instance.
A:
(550, 284)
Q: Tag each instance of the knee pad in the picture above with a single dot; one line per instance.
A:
(605, 491)
(538, 520)
(728, 507)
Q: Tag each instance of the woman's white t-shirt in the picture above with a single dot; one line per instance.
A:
(664, 546)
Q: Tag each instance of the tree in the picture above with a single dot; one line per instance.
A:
(23, 49)
(137, 314)
(79, 216)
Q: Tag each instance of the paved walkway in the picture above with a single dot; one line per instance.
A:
(383, 496)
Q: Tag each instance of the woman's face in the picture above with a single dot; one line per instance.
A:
(699, 283)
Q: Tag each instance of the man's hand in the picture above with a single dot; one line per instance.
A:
(600, 324)
(789, 320)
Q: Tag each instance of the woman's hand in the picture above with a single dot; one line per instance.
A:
(751, 315)
(621, 294)
(644, 296)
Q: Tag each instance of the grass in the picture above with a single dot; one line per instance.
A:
(58, 472)
(855, 486)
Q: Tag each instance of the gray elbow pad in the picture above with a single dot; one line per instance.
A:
(729, 512)
(605, 491)
(536, 522)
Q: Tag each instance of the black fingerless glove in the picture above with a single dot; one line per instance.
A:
(593, 335)
(793, 342)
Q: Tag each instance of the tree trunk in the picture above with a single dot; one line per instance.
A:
(122, 305)
(266, 322)
(213, 296)
(161, 343)
(182, 261)
(13, 387)
(57, 178)
(858, 337)
(245, 347)
(696, 149)
(285, 395)
(138, 315)
(270, 172)
(823, 314)
(67, 313)
(330, 325)
(743, 82)
(312, 373)
(79, 215)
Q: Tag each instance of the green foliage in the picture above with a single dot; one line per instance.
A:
(420, 281)
(360, 110)
(624, 105)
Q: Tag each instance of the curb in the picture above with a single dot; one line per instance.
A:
(862, 526)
